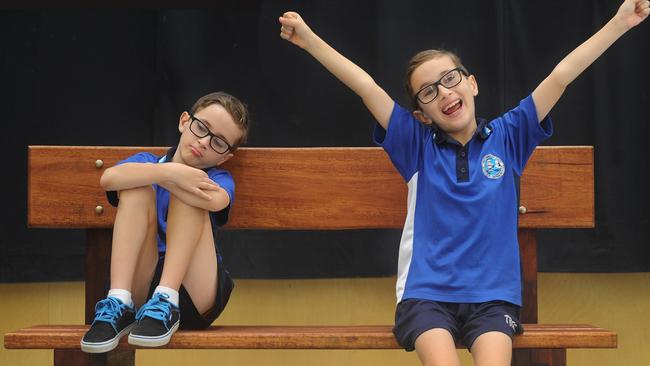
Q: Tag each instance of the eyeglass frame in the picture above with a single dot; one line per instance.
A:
(436, 84)
(212, 135)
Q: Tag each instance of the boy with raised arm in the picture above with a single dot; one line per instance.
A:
(458, 270)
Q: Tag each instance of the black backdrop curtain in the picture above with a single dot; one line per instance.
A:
(122, 74)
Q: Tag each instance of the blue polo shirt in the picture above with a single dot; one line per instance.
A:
(219, 176)
(459, 242)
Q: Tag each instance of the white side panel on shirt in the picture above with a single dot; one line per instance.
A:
(406, 244)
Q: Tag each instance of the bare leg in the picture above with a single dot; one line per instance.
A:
(201, 278)
(436, 347)
(190, 258)
(492, 349)
(134, 252)
(134, 255)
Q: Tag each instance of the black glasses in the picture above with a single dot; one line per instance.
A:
(200, 130)
(448, 80)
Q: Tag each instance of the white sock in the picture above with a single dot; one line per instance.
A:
(173, 294)
(122, 295)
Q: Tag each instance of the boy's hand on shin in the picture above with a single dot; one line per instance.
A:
(294, 29)
(633, 12)
(192, 180)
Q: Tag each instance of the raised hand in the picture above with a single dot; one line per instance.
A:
(294, 29)
(633, 12)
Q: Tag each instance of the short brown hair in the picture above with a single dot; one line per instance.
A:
(422, 57)
(236, 108)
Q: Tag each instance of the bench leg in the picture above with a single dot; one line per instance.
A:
(71, 357)
(98, 266)
(534, 357)
(539, 357)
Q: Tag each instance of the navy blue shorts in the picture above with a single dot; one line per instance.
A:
(465, 322)
(190, 316)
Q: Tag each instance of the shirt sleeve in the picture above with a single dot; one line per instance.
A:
(143, 157)
(225, 181)
(523, 132)
(403, 141)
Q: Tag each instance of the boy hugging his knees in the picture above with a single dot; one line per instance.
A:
(165, 258)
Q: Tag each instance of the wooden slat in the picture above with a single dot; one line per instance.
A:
(536, 336)
(557, 188)
(63, 185)
(304, 188)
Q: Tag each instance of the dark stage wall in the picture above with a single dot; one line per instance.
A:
(121, 75)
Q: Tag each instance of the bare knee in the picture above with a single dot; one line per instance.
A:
(139, 195)
(139, 200)
(436, 347)
(177, 205)
(492, 349)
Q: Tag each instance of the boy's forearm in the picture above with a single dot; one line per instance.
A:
(132, 175)
(584, 55)
(345, 70)
(219, 201)
(551, 89)
(374, 97)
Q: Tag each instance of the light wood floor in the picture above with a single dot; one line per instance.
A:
(620, 302)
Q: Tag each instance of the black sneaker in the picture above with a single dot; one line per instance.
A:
(157, 320)
(113, 319)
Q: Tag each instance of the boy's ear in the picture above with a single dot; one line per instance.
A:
(473, 84)
(423, 118)
(225, 158)
(183, 120)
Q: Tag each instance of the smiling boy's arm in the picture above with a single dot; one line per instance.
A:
(379, 103)
(549, 91)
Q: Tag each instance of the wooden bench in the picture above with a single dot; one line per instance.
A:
(304, 189)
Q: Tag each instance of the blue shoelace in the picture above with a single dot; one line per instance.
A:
(157, 309)
(109, 310)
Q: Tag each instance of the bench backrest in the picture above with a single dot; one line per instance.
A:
(304, 188)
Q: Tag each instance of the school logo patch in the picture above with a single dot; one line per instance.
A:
(493, 166)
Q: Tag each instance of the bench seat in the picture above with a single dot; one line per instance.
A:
(536, 336)
(312, 189)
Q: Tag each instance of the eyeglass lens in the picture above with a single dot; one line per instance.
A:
(449, 80)
(200, 130)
